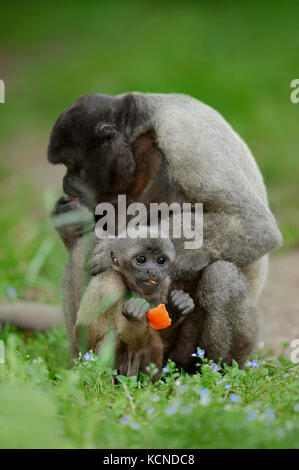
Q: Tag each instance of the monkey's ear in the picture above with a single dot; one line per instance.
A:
(144, 143)
(105, 130)
(118, 163)
(114, 258)
(147, 159)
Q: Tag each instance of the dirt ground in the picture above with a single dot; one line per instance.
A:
(279, 303)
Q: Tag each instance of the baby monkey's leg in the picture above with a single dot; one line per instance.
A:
(144, 345)
(99, 307)
(103, 307)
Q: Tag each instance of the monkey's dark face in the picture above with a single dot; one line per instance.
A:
(92, 141)
(149, 269)
(145, 264)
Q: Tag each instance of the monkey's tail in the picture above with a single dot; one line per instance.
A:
(30, 315)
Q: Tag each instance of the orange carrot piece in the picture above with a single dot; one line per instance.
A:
(158, 317)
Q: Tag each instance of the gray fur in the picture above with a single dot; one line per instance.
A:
(230, 329)
(211, 164)
(104, 305)
(206, 161)
(190, 154)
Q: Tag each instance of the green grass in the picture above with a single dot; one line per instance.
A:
(32, 256)
(239, 58)
(83, 408)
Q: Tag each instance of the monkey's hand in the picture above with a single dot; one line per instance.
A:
(180, 304)
(72, 219)
(136, 308)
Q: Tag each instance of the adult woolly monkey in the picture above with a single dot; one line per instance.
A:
(165, 148)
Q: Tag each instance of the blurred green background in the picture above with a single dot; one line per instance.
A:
(238, 57)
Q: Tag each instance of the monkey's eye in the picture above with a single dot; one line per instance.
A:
(161, 260)
(141, 259)
(105, 130)
(72, 166)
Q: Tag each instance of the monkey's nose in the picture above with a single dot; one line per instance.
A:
(153, 277)
(151, 273)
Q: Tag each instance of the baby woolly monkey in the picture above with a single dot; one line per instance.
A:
(139, 280)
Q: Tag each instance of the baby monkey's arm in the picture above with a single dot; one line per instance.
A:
(179, 305)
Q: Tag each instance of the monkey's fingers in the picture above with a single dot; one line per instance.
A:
(187, 310)
(140, 302)
(143, 306)
(185, 305)
(135, 309)
(177, 294)
(179, 299)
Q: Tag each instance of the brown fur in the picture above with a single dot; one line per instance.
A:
(137, 344)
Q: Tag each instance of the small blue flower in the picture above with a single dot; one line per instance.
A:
(286, 375)
(186, 409)
(124, 420)
(88, 356)
(199, 353)
(182, 389)
(248, 364)
(135, 426)
(234, 398)
(171, 410)
(205, 396)
(151, 410)
(165, 369)
(280, 433)
(203, 392)
(11, 292)
(155, 398)
(252, 415)
(227, 386)
(214, 367)
(267, 377)
(255, 363)
(269, 414)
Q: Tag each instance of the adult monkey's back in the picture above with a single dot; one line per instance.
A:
(166, 148)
